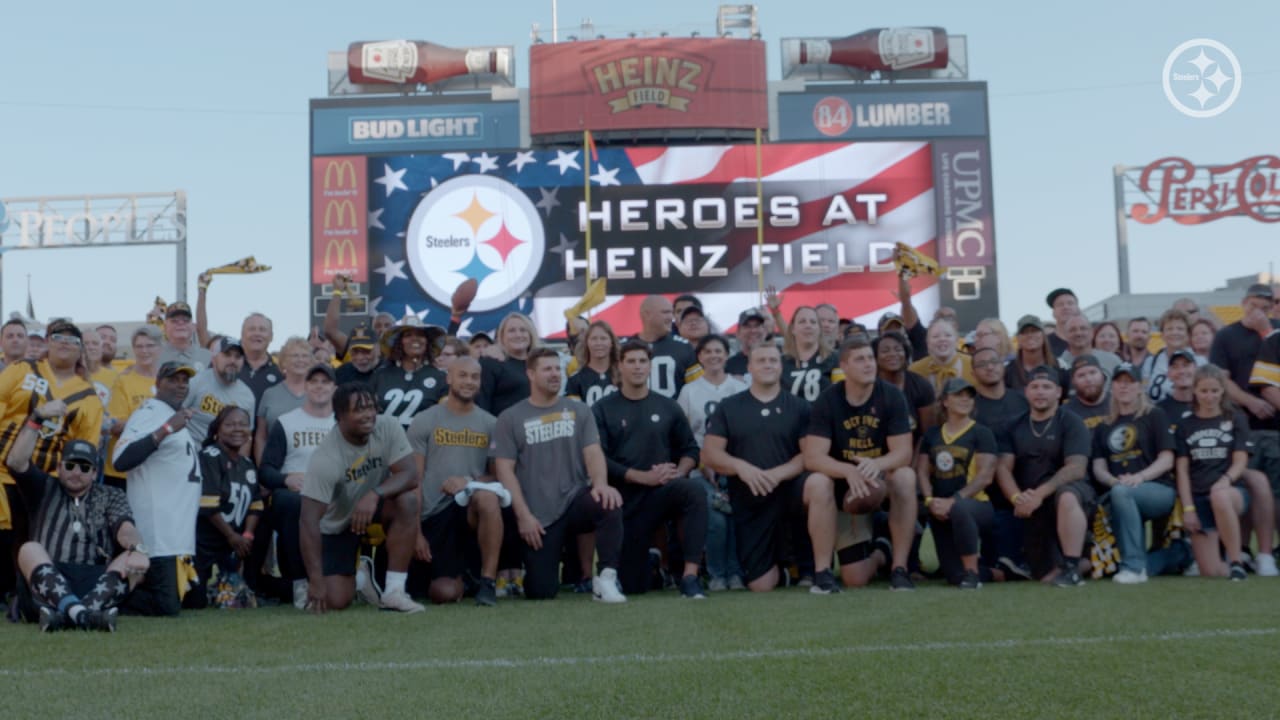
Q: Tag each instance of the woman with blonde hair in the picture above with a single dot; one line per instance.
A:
(809, 364)
(991, 333)
(296, 358)
(597, 356)
(503, 381)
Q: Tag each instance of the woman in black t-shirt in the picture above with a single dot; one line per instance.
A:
(956, 463)
(597, 364)
(893, 355)
(1211, 458)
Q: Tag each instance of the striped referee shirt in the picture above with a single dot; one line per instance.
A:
(73, 531)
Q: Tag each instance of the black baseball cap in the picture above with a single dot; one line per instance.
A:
(887, 318)
(1184, 354)
(1027, 321)
(177, 308)
(1044, 372)
(957, 384)
(1261, 290)
(62, 327)
(80, 450)
(1133, 371)
(692, 310)
(689, 299)
(360, 339)
(751, 313)
(1084, 361)
(322, 368)
(228, 344)
(1054, 295)
(173, 367)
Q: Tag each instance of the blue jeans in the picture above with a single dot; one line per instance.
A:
(1131, 507)
(722, 547)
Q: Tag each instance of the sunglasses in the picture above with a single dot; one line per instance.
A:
(68, 339)
(83, 466)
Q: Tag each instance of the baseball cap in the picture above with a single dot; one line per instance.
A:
(227, 344)
(887, 318)
(80, 450)
(1027, 321)
(177, 308)
(62, 327)
(1124, 368)
(323, 368)
(482, 335)
(1054, 295)
(1261, 290)
(692, 310)
(360, 339)
(1044, 372)
(1184, 354)
(751, 313)
(173, 367)
(1084, 361)
(955, 385)
(689, 299)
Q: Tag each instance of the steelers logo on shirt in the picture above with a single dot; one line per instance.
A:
(1122, 438)
(429, 383)
(945, 461)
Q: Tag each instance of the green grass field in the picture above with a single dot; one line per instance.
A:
(1171, 648)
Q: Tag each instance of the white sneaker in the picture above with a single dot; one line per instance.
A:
(366, 588)
(717, 585)
(1129, 577)
(1267, 565)
(300, 593)
(399, 601)
(605, 589)
(1193, 570)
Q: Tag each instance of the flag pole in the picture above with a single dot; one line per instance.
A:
(760, 210)
(586, 194)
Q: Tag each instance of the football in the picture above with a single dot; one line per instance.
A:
(445, 589)
(463, 296)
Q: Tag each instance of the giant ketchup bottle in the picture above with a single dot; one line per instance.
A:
(878, 49)
(407, 61)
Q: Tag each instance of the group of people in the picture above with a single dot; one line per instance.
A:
(803, 450)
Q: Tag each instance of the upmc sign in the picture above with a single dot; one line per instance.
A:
(655, 83)
(339, 218)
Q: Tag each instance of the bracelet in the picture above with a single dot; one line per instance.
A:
(1188, 509)
(1016, 496)
(928, 500)
(31, 423)
(168, 429)
(338, 293)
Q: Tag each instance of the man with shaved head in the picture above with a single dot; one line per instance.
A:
(672, 354)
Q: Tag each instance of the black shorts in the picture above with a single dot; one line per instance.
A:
(759, 522)
(1085, 493)
(1264, 456)
(450, 539)
(80, 578)
(340, 552)
(1204, 508)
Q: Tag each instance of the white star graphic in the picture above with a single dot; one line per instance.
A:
(522, 158)
(566, 160)
(392, 180)
(373, 305)
(485, 162)
(1201, 62)
(1218, 78)
(434, 182)
(563, 245)
(408, 311)
(606, 177)
(375, 219)
(549, 201)
(458, 159)
(464, 330)
(391, 270)
(1202, 95)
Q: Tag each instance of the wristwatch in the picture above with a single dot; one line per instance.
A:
(139, 548)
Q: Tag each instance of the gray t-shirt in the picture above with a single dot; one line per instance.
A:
(453, 445)
(208, 396)
(547, 445)
(195, 356)
(278, 400)
(340, 473)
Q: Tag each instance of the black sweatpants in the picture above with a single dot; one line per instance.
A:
(584, 515)
(284, 517)
(970, 522)
(644, 511)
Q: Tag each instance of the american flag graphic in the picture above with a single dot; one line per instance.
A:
(666, 220)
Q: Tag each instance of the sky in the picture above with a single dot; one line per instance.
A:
(212, 99)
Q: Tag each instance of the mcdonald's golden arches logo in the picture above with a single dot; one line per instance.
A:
(340, 253)
(340, 215)
(340, 177)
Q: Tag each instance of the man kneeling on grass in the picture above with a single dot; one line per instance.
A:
(363, 472)
(85, 554)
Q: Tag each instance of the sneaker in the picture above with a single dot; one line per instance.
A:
(1238, 572)
(900, 579)
(367, 587)
(735, 583)
(1193, 570)
(1267, 566)
(1129, 577)
(503, 588)
(583, 586)
(104, 620)
(1068, 577)
(1246, 559)
(691, 588)
(52, 621)
(399, 601)
(605, 588)
(1013, 568)
(300, 588)
(515, 588)
(805, 581)
(486, 593)
(824, 583)
(970, 581)
(718, 585)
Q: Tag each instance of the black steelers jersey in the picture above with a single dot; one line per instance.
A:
(806, 379)
(589, 386)
(403, 395)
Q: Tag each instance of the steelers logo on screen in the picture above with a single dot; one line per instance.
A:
(480, 228)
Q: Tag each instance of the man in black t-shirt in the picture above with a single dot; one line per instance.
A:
(997, 407)
(858, 450)
(753, 438)
(672, 354)
(1182, 372)
(751, 332)
(1091, 401)
(1043, 457)
(362, 358)
(650, 450)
